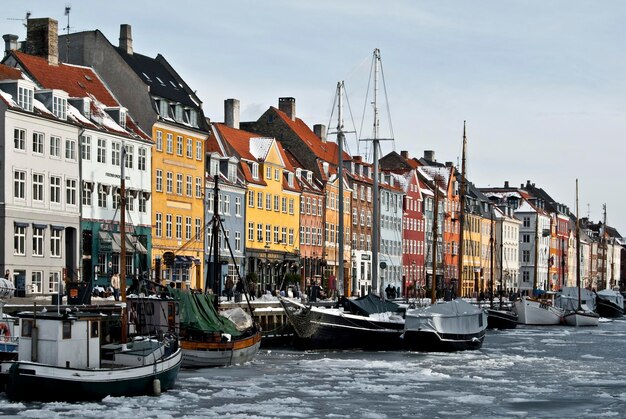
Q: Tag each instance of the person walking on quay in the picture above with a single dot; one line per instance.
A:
(229, 288)
(115, 284)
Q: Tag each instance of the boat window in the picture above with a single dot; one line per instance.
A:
(27, 328)
(67, 330)
(94, 329)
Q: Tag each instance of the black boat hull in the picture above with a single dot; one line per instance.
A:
(608, 309)
(316, 329)
(430, 341)
(501, 319)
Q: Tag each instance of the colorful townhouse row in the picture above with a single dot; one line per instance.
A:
(73, 122)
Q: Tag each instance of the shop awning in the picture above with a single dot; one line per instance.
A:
(132, 244)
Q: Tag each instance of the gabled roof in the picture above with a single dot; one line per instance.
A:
(77, 81)
(327, 151)
(10, 73)
(236, 140)
(158, 74)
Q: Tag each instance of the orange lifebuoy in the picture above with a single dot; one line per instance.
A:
(5, 332)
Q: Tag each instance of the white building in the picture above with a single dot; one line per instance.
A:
(507, 248)
(391, 212)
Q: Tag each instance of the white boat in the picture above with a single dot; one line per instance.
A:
(583, 316)
(61, 359)
(446, 326)
(538, 312)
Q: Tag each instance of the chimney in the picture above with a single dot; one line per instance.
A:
(231, 113)
(405, 154)
(506, 183)
(42, 37)
(429, 155)
(10, 43)
(320, 131)
(288, 105)
(448, 164)
(126, 38)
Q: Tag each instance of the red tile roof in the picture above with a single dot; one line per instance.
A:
(77, 81)
(327, 151)
(237, 139)
(9, 73)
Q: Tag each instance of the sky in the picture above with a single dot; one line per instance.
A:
(542, 85)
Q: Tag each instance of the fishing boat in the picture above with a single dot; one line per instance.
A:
(579, 314)
(209, 337)
(71, 356)
(377, 327)
(610, 303)
(449, 325)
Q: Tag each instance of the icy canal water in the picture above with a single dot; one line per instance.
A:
(529, 372)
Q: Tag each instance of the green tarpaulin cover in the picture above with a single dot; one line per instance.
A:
(197, 313)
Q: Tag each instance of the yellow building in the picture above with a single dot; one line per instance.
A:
(272, 206)
(178, 205)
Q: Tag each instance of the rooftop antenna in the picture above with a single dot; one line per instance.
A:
(23, 20)
(68, 8)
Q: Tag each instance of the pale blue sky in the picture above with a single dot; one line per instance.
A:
(541, 84)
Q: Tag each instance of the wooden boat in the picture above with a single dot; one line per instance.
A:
(538, 312)
(581, 317)
(61, 359)
(610, 303)
(335, 328)
(501, 319)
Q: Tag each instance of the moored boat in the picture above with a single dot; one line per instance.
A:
(537, 312)
(61, 359)
(581, 317)
(446, 326)
(610, 303)
(334, 328)
(501, 319)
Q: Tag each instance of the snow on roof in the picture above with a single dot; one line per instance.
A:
(402, 181)
(525, 207)
(432, 171)
(8, 98)
(40, 107)
(260, 146)
(76, 114)
(507, 194)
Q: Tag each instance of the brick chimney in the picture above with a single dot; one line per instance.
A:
(429, 155)
(42, 37)
(320, 131)
(506, 184)
(405, 154)
(231, 113)
(10, 43)
(126, 38)
(288, 106)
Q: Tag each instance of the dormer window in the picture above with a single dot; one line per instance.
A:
(298, 173)
(178, 113)
(255, 170)
(290, 179)
(59, 107)
(232, 173)
(192, 117)
(25, 97)
(309, 177)
(164, 108)
(122, 121)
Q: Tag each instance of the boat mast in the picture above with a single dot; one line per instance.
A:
(461, 217)
(375, 197)
(122, 263)
(433, 290)
(577, 248)
(604, 246)
(491, 244)
(340, 141)
(501, 256)
(536, 250)
(215, 238)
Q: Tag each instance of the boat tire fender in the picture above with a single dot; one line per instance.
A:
(156, 387)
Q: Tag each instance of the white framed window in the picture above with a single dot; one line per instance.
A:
(251, 231)
(198, 229)
(259, 232)
(255, 170)
(284, 204)
(179, 145)
(142, 203)
(141, 159)
(116, 149)
(85, 147)
(168, 226)
(38, 237)
(159, 180)
(70, 149)
(283, 235)
(179, 227)
(70, 191)
(276, 203)
(19, 240)
(187, 228)
(53, 282)
(179, 183)
(268, 173)
(55, 146)
(198, 187)
(169, 182)
(268, 201)
(291, 202)
(19, 139)
(59, 107)
(38, 143)
(198, 150)
(259, 201)
(102, 150)
(25, 98)
(87, 195)
(36, 280)
(102, 198)
(130, 156)
(238, 206)
(291, 237)
(159, 140)
(158, 226)
(55, 189)
(276, 174)
(268, 233)
(190, 148)
(189, 185)
(130, 201)
(170, 143)
(55, 242)
(19, 184)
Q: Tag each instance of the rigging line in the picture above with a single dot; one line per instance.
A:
(332, 109)
(393, 145)
(346, 144)
(369, 82)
